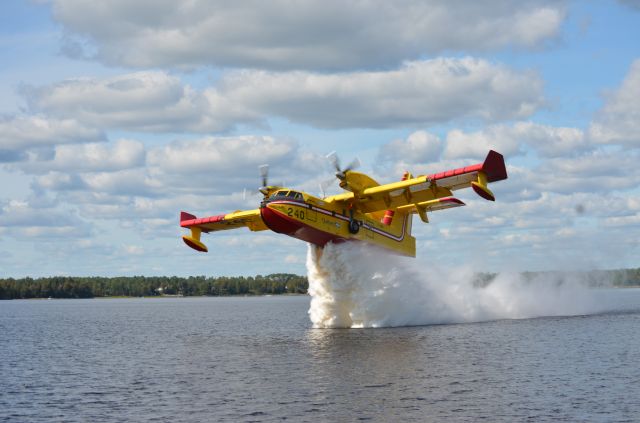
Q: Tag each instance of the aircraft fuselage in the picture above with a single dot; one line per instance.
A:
(319, 222)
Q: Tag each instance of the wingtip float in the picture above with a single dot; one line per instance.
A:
(368, 212)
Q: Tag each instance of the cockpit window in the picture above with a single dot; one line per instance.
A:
(293, 195)
(278, 194)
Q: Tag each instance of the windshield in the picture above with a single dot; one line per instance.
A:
(288, 195)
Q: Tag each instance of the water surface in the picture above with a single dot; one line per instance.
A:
(258, 359)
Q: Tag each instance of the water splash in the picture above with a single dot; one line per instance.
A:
(354, 285)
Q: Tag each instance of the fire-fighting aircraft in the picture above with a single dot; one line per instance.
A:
(367, 211)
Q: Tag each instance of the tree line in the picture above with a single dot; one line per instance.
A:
(275, 284)
(139, 286)
(619, 278)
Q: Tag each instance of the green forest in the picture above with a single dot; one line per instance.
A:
(620, 278)
(274, 284)
(148, 286)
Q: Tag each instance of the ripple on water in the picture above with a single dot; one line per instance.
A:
(258, 359)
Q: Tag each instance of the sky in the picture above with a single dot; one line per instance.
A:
(117, 115)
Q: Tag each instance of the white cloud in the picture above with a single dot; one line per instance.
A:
(20, 133)
(522, 185)
(225, 165)
(421, 152)
(619, 120)
(294, 258)
(21, 219)
(134, 250)
(122, 154)
(49, 232)
(128, 182)
(547, 141)
(288, 35)
(142, 101)
(550, 141)
(136, 182)
(419, 147)
(424, 92)
(221, 154)
(124, 182)
(57, 181)
(553, 231)
(476, 144)
(594, 171)
(623, 221)
(205, 176)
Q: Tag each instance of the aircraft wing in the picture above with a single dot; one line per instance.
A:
(416, 194)
(238, 219)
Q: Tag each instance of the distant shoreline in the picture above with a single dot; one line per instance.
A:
(240, 286)
(158, 297)
(151, 286)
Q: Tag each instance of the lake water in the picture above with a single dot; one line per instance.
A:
(258, 359)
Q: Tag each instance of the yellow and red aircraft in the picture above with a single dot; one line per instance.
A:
(369, 212)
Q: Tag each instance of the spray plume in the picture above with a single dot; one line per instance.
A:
(354, 285)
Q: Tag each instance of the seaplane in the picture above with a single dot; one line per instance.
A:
(367, 211)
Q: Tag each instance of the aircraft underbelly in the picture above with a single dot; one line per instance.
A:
(282, 220)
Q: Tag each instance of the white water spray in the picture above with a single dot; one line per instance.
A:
(354, 285)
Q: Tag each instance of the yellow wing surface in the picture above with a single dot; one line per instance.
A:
(425, 193)
(249, 218)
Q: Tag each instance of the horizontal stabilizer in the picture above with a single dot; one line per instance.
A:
(480, 187)
(193, 240)
(483, 191)
(195, 243)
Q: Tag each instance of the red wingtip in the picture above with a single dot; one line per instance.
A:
(186, 216)
(494, 167)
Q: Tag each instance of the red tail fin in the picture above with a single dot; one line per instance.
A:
(494, 167)
(186, 216)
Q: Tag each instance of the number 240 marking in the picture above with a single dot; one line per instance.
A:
(297, 213)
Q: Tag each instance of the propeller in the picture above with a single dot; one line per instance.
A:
(342, 172)
(324, 186)
(265, 189)
(264, 174)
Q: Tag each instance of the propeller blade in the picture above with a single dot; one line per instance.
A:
(355, 163)
(334, 160)
(264, 173)
(324, 185)
(342, 173)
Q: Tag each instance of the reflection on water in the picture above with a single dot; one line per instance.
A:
(258, 359)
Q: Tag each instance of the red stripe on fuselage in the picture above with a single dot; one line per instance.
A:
(281, 223)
